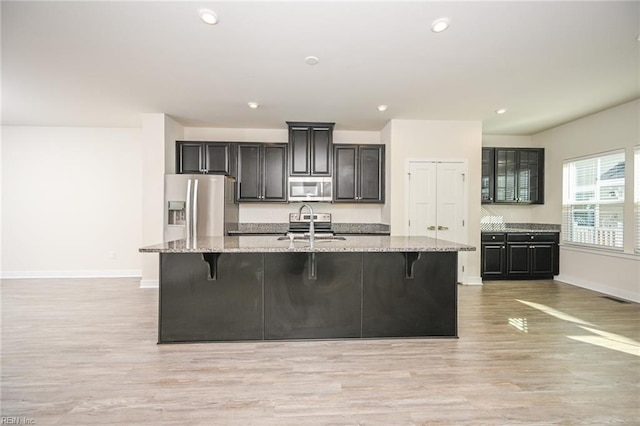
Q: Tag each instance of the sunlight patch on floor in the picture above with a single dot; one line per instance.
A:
(600, 338)
(555, 313)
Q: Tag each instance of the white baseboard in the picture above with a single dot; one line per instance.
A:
(149, 284)
(472, 281)
(600, 288)
(71, 274)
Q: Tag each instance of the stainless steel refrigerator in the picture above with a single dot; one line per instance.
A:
(198, 206)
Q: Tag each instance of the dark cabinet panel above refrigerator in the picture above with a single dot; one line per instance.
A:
(205, 158)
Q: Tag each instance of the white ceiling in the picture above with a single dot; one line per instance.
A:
(104, 63)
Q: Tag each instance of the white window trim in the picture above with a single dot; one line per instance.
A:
(599, 251)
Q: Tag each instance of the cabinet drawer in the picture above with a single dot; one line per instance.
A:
(532, 237)
(492, 237)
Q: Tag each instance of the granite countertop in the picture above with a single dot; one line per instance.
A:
(337, 228)
(519, 227)
(271, 244)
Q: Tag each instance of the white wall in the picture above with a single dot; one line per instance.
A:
(279, 212)
(436, 140)
(159, 131)
(70, 198)
(612, 129)
(1, 202)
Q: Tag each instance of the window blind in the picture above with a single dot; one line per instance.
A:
(593, 200)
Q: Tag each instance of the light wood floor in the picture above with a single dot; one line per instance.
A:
(84, 352)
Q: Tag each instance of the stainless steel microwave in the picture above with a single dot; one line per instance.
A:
(310, 188)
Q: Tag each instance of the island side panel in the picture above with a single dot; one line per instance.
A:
(195, 307)
(422, 306)
(300, 307)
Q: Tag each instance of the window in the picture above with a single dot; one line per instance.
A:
(593, 200)
(636, 168)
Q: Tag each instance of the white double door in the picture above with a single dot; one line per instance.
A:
(437, 208)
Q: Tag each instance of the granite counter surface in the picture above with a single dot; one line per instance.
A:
(337, 228)
(519, 227)
(271, 244)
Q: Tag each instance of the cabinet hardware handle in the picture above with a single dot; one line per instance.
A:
(443, 228)
(431, 228)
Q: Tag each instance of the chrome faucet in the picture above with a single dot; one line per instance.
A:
(312, 233)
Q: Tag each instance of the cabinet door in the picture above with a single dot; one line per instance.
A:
(505, 176)
(274, 172)
(217, 158)
(518, 259)
(530, 176)
(488, 163)
(321, 151)
(493, 260)
(371, 173)
(344, 182)
(249, 173)
(189, 158)
(299, 155)
(193, 307)
(421, 301)
(299, 306)
(542, 259)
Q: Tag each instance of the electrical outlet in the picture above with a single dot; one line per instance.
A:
(112, 254)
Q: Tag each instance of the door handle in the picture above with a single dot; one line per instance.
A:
(431, 228)
(443, 228)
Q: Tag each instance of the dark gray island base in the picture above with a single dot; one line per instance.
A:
(347, 291)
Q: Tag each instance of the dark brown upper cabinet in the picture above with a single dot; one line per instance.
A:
(488, 175)
(513, 175)
(310, 148)
(359, 173)
(262, 172)
(205, 158)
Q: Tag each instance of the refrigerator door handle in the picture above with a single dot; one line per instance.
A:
(189, 208)
(194, 210)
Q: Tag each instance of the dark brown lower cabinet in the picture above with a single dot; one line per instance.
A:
(520, 255)
(494, 255)
(306, 295)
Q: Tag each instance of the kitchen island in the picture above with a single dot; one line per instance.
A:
(265, 288)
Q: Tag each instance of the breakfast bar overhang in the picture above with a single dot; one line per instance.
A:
(262, 288)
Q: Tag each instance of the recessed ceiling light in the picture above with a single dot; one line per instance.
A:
(311, 60)
(253, 105)
(501, 111)
(439, 25)
(208, 16)
(382, 108)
